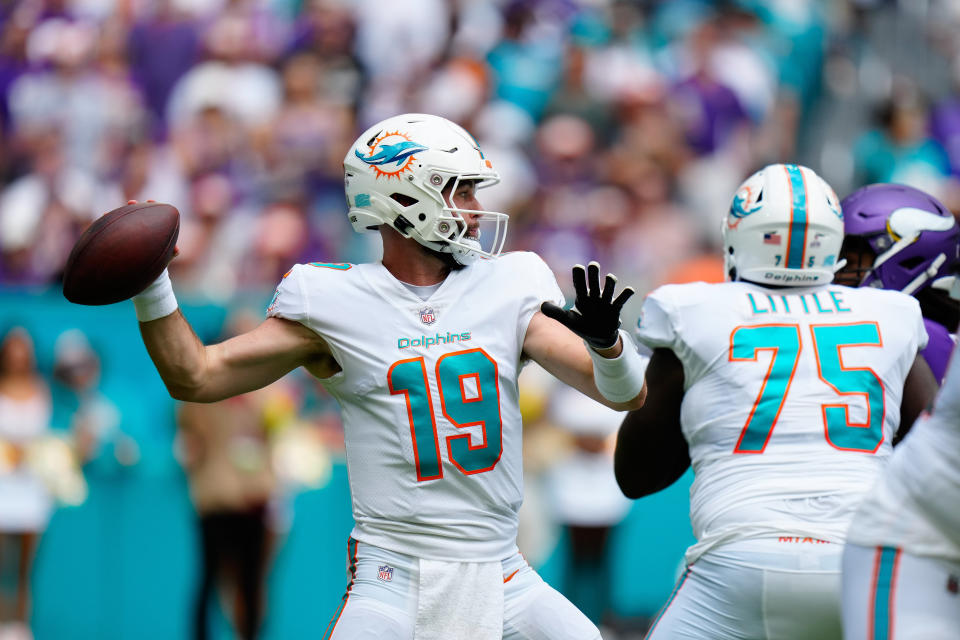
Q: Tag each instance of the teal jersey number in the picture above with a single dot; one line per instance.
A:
(841, 433)
(745, 344)
(828, 341)
(474, 369)
(469, 389)
(409, 377)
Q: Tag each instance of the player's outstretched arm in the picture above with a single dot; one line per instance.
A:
(195, 372)
(651, 451)
(609, 370)
(198, 373)
(919, 391)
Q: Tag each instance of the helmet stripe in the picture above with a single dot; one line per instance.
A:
(797, 240)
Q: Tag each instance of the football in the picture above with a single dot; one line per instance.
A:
(121, 253)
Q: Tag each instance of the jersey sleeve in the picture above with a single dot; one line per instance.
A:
(289, 301)
(656, 327)
(543, 288)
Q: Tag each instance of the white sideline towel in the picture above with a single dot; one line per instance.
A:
(459, 601)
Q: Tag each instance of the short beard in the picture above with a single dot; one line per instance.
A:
(446, 258)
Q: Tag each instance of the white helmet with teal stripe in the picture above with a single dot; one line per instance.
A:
(784, 227)
(396, 172)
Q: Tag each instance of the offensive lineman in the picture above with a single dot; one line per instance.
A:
(422, 350)
(784, 392)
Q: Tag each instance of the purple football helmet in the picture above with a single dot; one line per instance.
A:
(914, 237)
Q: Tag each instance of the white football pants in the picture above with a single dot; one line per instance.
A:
(757, 590)
(381, 601)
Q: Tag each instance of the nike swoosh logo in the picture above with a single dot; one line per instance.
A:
(510, 577)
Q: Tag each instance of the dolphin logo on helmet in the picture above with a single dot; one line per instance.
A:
(745, 202)
(395, 153)
(390, 148)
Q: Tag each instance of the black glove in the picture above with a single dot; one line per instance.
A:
(596, 315)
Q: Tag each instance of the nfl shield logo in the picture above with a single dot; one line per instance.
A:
(427, 315)
(385, 573)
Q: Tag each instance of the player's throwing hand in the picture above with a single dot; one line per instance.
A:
(595, 316)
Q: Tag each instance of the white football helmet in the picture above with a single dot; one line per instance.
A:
(395, 172)
(784, 227)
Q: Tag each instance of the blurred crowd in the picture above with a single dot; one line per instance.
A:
(245, 459)
(620, 129)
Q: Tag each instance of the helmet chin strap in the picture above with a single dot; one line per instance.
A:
(463, 255)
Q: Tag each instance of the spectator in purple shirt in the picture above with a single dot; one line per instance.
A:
(945, 128)
(162, 48)
(13, 63)
(709, 111)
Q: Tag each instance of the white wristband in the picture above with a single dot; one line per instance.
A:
(157, 300)
(619, 379)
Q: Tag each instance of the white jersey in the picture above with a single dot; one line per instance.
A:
(428, 394)
(915, 504)
(791, 399)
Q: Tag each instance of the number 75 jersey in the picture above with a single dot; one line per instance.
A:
(791, 400)
(429, 398)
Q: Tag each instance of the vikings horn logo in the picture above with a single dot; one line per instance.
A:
(744, 203)
(391, 154)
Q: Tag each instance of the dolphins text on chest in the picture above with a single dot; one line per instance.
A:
(429, 341)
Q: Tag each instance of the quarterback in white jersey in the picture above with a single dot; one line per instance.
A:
(422, 350)
(428, 395)
(901, 565)
(784, 392)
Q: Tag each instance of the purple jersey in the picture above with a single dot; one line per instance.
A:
(939, 348)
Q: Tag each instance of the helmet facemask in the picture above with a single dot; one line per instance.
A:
(466, 234)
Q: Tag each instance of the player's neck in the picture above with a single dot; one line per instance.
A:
(410, 262)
